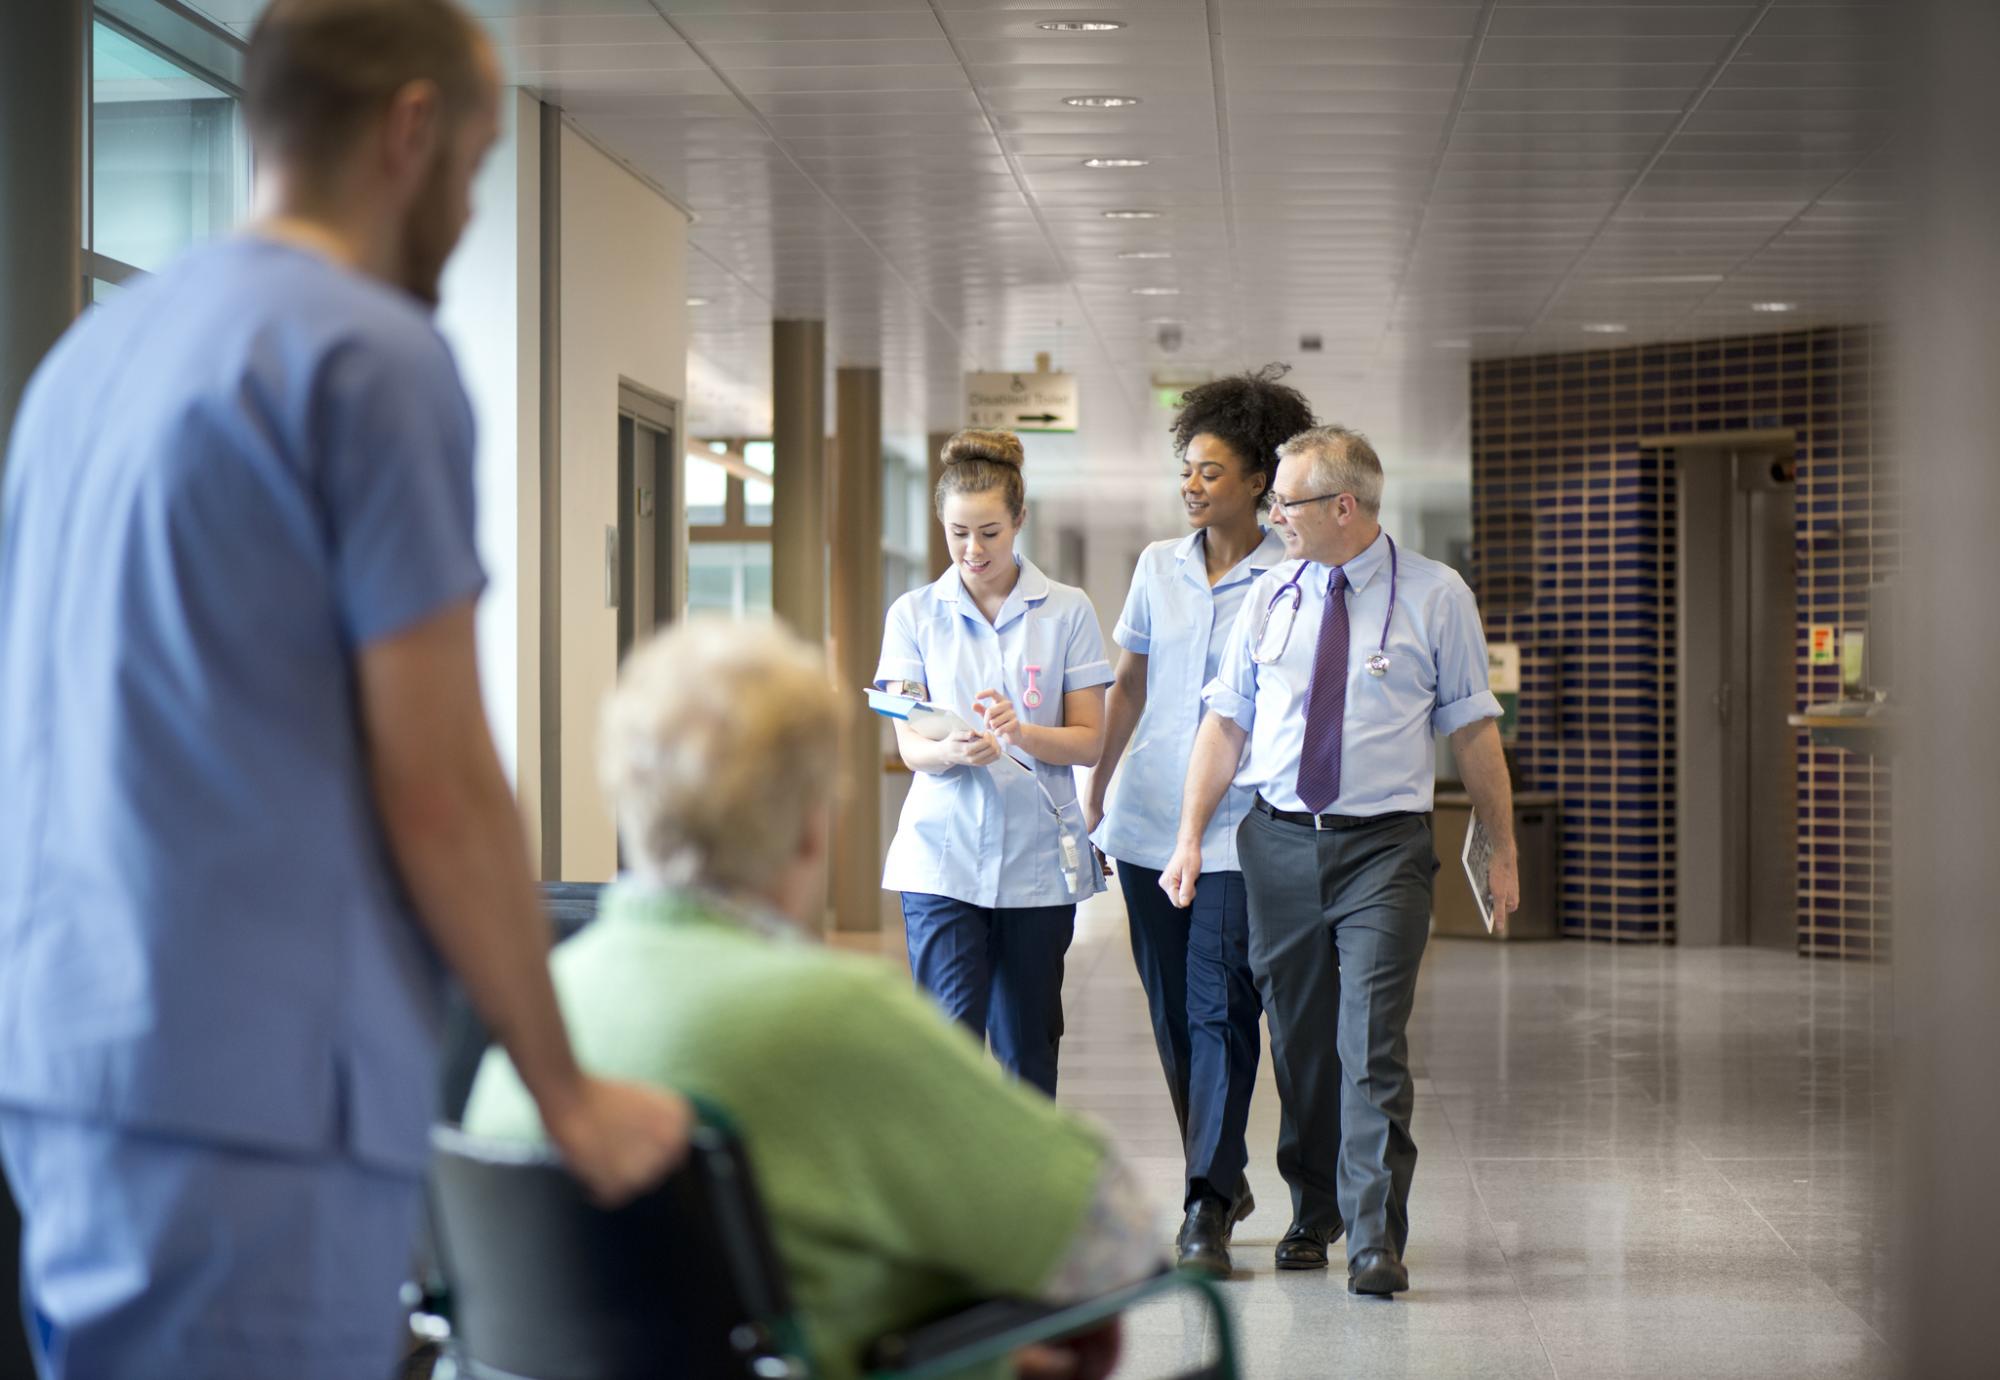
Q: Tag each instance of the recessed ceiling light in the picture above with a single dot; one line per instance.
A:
(1458, 343)
(1101, 102)
(1156, 292)
(1131, 215)
(1773, 306)
(1165, 321)
(1145, 253)
(697, 301)
(1080, 26)
(1604, 327)
(1116, 162)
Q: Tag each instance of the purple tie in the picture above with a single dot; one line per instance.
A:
(1326, 703)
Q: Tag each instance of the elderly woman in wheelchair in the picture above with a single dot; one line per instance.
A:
(902, 1174)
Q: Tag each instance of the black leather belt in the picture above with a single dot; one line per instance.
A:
(1299, 817)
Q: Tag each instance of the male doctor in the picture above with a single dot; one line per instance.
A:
(1344, 663)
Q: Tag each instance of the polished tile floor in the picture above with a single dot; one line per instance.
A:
(1634, 1162)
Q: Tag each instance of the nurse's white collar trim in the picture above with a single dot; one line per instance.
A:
(1270, 551)
(1033, 586)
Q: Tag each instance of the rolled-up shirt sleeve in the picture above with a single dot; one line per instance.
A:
(1233, 692)
(1464, 693)
(1135, 625)
(1084, 664)
(901, 658)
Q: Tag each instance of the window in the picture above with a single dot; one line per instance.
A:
(761, 457)
(730, 578)
(906, 533)
(169, 163)
(729, 528)
(707, 489)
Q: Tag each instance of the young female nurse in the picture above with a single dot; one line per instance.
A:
(1194, 963)
(991, 855)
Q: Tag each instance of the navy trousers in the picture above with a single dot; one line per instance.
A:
(998, 972)
(1195, 966)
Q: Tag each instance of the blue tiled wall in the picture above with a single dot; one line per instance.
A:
(1574, 550)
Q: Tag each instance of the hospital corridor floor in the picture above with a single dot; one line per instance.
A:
(1634, 1161)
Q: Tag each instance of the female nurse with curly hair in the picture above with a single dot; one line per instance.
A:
(1194, 962)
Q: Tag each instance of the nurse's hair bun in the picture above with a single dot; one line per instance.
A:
(1000, 447)
(978, 462)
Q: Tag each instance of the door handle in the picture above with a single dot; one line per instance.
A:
(1721, 700)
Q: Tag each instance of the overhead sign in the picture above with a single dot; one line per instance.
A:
(1021, 402)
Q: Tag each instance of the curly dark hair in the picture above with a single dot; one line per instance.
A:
(1252, 413)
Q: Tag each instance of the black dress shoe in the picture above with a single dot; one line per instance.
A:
(1203, 1243)
(1376, 1271)
(1245, 1205)
(1304, 1248)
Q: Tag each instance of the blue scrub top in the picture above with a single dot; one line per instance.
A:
(1437, 680)
(984, 835)
(222, 486)
(1180, 623)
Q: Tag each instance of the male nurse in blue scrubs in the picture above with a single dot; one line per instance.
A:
(250, 795)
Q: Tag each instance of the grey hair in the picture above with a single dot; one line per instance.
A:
(1343, 463)
(719, 741)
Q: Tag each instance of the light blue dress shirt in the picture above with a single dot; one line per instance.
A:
(984, 835)
(221, 487)
(1437, 680)
(1181, 625)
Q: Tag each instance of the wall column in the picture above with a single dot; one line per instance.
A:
(857, 642)
(42, 60)
(799, 481)
(1945, 665)
(940, 554)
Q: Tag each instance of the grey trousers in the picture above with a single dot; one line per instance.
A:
(1338, 923)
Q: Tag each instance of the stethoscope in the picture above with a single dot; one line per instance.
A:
(1378, 660)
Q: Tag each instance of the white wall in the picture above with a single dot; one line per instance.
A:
(491, 315)
(624, 310)
(624, 316)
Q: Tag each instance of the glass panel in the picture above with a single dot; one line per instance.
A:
(757, 578)
(708, 492)
(103, 290)
(922, 512)
(757, 497)
(169, 163)
(711, 584)
(730, 578)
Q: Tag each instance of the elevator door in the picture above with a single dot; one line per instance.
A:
(1737, 676)
(650, 547)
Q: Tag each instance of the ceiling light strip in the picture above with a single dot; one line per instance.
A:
(1134, 409)
(1870, 156)
(1660, 151)
(1480, 29)
(772, 134)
